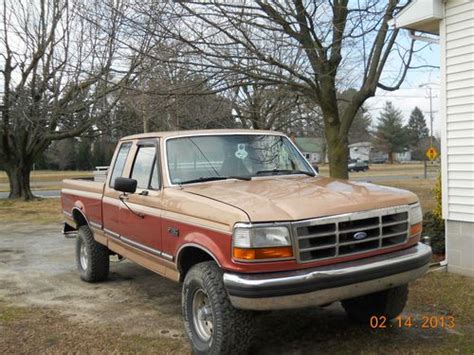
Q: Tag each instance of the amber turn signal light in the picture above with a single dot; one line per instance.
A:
(263, 253)
(415, 229)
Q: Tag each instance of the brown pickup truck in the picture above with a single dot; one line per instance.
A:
(243, 221)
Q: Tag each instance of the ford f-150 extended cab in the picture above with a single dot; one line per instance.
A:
(245, 223)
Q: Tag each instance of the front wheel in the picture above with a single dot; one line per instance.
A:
(212, 324)
(388, 303)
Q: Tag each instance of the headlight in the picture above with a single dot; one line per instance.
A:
(258, 243)
(416, 219)
(258, 237)
(416, 215)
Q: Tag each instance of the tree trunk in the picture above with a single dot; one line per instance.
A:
(337, 147)
(19, 178)
(336, 138)
(390, 157)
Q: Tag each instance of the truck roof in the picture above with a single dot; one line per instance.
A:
(196, 132)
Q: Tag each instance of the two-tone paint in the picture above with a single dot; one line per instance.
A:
(172, 219)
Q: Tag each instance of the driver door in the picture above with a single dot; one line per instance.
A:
(140, 212)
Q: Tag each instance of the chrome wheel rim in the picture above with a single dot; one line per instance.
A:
(203, 318)
(83, 256)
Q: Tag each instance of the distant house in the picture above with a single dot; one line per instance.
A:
(378, 156)
(403, 156)
(452, 21)
(314, 149)
(360, 151)
(366, 151)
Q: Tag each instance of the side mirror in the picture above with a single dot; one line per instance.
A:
(125, 185)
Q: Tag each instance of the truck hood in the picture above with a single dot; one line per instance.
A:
(294, 198)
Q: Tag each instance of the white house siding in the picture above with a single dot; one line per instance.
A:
(457, 95)
(360, 151)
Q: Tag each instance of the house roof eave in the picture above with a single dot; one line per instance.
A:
(423, 16)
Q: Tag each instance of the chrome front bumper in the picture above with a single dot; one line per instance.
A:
(326, 284)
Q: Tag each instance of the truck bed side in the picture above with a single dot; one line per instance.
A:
(83, 196)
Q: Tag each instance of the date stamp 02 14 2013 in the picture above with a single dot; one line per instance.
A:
(423, 322)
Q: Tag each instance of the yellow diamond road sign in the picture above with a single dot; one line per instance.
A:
(431, 153)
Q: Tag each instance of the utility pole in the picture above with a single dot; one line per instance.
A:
(428, 86)
(431, 118)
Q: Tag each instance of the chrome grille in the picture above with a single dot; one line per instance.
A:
(335, 236)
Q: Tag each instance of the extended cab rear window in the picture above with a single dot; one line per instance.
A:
(120, 162)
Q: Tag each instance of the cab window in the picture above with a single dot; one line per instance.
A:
(144, 168)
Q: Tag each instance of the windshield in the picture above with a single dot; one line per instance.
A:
(204, 158)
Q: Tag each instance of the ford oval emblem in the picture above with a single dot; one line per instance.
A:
(360, 235)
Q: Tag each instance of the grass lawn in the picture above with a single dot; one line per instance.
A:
(39, 330)
(412, 169)
(43, 211)
(423, 188)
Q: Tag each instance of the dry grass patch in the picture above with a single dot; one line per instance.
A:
(437, 294)
(445, 294)
(47, 210)
(415, 169)
(423, 188)
(41, 330)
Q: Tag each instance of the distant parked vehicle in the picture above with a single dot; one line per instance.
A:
(358, 165)
(380, 160)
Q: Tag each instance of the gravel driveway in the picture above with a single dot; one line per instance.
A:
(37, 269)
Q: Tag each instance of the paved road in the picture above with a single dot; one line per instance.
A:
(45, 193)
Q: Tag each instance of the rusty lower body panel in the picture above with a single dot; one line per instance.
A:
(323, 285)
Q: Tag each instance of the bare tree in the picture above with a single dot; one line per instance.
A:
(60, 75)
(263, 107)
(315, 48)
(170, 97)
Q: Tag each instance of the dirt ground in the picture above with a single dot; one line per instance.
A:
(46, 308)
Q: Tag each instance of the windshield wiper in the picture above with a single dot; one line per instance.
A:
(215, 178)
(284, 171)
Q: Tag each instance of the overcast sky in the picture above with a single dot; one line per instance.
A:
(410, 94)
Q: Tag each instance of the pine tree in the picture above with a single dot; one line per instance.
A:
(390, 134)
(416, 127)
(84, 155)
(360, 129)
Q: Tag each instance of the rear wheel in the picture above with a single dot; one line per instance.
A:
(92, 258)
(388, 303)
(212, 324)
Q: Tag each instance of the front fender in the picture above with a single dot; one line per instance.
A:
(217, 245)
